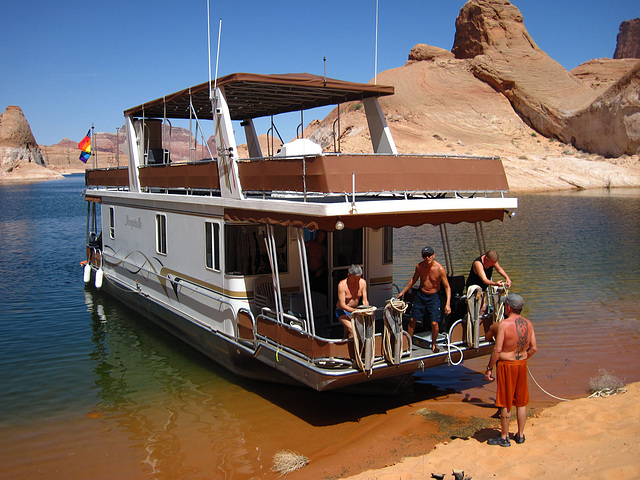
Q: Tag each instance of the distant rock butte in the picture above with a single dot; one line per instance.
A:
(18, 147)
(111, 150)
(628, 43)
(15, 130)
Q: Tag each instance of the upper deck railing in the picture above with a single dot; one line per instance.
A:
(323, 174)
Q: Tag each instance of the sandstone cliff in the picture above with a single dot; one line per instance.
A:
(497, 93)
(16, 140)
(491, 34)
(628, 44)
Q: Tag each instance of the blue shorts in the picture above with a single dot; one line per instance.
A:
(340, 312)
(429, 303)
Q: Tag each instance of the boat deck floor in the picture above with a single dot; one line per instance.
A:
(421, 342)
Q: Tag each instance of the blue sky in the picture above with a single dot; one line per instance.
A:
(70, 64)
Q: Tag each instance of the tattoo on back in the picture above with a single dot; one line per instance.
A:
(522, 329)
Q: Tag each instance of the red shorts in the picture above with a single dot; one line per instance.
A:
(513, 388)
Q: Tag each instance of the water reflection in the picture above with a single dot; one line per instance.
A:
(152, 391)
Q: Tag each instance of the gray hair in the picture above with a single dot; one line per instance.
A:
(355, 270)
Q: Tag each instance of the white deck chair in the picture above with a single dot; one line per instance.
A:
(263, 293)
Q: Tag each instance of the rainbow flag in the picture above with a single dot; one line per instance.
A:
(85, 147)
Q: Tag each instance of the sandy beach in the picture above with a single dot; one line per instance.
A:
(587, 438)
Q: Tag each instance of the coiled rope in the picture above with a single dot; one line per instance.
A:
(393, 311)
(474, 301)
(607, 392)
(364, 316)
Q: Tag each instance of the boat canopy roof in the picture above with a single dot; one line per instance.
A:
(251, 95)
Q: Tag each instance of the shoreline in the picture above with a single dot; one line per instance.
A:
(583, 438)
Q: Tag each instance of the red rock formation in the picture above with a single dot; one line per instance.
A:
(486, 104)
(611, 124)
(628, 44)
(491, 34)
(485, 26)
(17, 143)
(422, 52)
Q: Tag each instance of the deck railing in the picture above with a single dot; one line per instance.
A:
(325, 174)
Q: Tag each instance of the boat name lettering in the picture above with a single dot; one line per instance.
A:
(134, 223)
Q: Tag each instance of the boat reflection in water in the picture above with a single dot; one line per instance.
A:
(168, 403)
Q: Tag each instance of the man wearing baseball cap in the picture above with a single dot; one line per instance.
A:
(515, 343)
(427, 301)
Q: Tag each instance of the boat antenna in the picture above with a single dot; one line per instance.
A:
(211, 92)
(218, 53)
(209, 46)
(375, 61)
(324, 60)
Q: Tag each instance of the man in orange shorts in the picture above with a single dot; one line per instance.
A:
(515, 343)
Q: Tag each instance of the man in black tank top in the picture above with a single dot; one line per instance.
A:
(480, 274)
(482, 271)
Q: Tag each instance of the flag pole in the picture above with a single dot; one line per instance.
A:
(93, 150)
(375, 61)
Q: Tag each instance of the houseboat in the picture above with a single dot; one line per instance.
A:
(214, 250)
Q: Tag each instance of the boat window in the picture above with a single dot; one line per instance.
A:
(161, 234)
(387, 244)
(112, 222)
(212, 245)
(246, 251)
(347, 247)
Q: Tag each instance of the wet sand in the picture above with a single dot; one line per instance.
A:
(364, 438)
(585, 438)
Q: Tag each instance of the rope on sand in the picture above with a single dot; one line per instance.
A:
(607, 392)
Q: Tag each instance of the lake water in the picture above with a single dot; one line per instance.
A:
(89, 390)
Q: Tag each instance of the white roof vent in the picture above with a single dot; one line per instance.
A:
(299, 148)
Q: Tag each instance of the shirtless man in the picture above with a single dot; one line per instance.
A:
(317, 261)
(350, 291)
(515, 343)
(427, 300)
